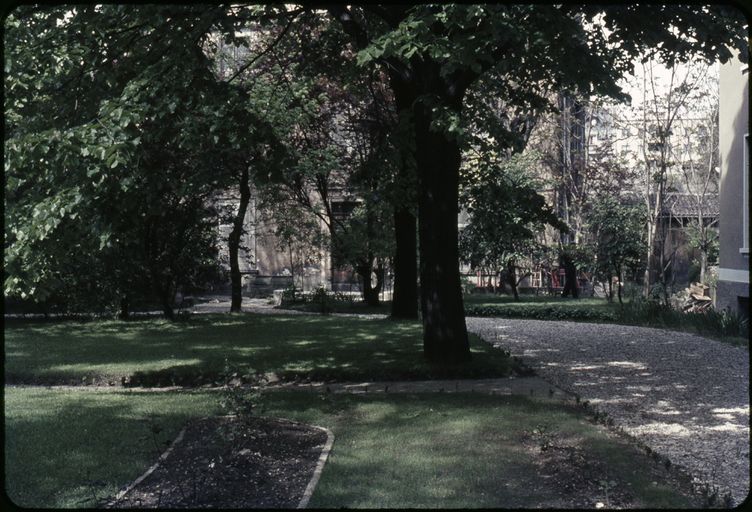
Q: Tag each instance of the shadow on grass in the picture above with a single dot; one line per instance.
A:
(70, 449)
(213, 349)
(467, 450)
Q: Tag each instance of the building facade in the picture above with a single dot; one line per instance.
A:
(733, 273)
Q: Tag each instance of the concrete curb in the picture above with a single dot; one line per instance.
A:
(119, 496)
(307, 493)
(319, 467)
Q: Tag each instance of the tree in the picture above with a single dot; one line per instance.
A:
(505, 212)
(618, 238)
(433, 54)
(127, 155)
(661, 116)
(696, 154)
(337, 122)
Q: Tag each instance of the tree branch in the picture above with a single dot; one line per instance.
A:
(267, 50)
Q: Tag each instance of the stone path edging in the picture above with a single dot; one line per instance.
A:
(119, 496)
(307, 493)
(319, 467)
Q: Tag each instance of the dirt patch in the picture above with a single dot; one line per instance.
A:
(232, 462)
(587, 482)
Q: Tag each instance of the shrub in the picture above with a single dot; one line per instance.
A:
(322, 300)
(554, 312)
(291, 296)
(649, 312)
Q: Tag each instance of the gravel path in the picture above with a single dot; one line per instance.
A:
(684, 396)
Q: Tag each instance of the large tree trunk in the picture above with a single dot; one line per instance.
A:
(570, 278)
(619, 285)
(438, 161)
(405, 294)
(166, 294)
(236, 279)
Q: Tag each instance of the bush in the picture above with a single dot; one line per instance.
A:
(567, 312)
(649, 312)
(291, 296)
(638, 311)
(467, 285)
(322, 300)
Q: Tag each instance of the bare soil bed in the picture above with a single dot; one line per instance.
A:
(232, 462)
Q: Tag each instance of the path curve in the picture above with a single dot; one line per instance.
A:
(684, 396)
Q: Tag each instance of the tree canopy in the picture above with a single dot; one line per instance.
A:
(122, 120)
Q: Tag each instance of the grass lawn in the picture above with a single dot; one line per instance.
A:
(64, 448)
(208, 348)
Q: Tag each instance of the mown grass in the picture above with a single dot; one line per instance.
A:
(70, 448)
(211, 349)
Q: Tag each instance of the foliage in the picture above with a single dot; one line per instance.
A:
(109, 159)
(506, 212)
(723, 325)
(654, 313)
(618, 236)
(545, 312)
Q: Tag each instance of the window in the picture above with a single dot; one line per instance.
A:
(745, 196)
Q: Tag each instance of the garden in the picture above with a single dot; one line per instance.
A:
(244, 245)
(77, 446)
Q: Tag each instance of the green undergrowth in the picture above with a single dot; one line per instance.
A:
(71, 448)
(216, 349)
(721, 325)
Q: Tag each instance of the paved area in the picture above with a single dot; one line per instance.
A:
(221, 304)
(684, 396)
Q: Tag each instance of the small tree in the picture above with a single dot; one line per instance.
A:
(618, 238)
(505, 214)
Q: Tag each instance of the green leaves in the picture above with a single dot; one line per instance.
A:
(505, 211)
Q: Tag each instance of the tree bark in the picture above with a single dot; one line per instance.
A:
(405, 294)
(370, 292)
(438, 161)
(166, 296)
(236, 279)
(570, 278)
(618, 284)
